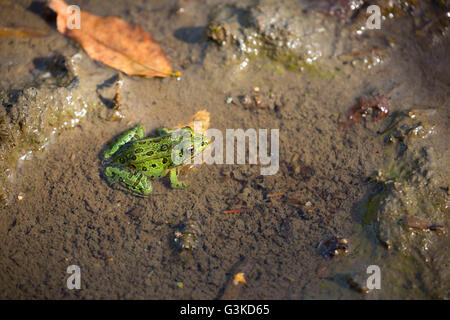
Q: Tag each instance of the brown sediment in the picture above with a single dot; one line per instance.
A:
(63, 212)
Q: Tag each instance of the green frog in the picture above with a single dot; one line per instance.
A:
(133, 160)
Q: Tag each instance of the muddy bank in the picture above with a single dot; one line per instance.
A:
(67, 213)
(30, 117)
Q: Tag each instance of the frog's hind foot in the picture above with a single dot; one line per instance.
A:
(133, 180)
(137, 132)
(174, 182)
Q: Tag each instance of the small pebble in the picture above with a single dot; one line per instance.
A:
(246, 100)
(259, 102)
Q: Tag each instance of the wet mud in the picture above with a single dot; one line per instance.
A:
(349, 192)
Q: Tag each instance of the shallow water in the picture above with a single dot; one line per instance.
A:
(64, 213)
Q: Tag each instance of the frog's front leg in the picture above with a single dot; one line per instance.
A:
(174, 183)
(168, 131)
(164, 131)
(134, 133)
(132, 179)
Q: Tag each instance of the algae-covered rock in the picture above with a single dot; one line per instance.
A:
(30, 116)
(309, 35)
(410, 212)
(406, 212)
(283, 31)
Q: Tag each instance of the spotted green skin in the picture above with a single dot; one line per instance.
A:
(133, 161)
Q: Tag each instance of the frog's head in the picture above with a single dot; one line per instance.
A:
(200, 142)
(193, 141)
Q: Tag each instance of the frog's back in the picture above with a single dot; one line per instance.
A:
(152, 156)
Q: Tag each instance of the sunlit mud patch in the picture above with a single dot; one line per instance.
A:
(281, 31)
(322, 37)
(29, 117)
(405, 217)
(414, 183)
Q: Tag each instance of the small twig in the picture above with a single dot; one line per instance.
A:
(362, 53)
(293, 201)
(116, 101)
(275, 195)
(235, 211)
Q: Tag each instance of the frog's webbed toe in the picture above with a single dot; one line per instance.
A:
(179, 185)
(129, 178)
(174, 182)
(164, 131)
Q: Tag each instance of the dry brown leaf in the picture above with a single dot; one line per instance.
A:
(114, 42)
(203, 116)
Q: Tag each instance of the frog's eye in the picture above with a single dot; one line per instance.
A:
(188, 129)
